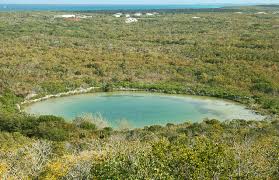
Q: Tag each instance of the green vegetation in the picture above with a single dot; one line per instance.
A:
(56, 149)
(222, 54)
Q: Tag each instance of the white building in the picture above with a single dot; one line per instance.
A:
(131, 20)
(195, 17)
(65, 16)
(138, 14)
(261, 13)
(149, 14)
(118, 15)
(83, 16)
(127, 15)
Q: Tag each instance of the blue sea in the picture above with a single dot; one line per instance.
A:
(85, 7)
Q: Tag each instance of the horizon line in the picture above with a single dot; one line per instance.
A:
(139, 3)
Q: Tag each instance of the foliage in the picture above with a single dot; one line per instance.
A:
(208, 150)
(222, 54)
(46, 127)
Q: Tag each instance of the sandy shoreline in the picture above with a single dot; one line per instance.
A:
(69, 93)
(81, 91)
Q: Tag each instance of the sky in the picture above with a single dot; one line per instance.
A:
(139, 1)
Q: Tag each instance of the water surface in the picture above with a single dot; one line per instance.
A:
(91, 7)
(142, 109)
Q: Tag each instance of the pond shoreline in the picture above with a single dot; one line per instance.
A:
(98, 88)
(72, 92)
(141, 108)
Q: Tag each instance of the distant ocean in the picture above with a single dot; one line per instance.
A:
(47, 7)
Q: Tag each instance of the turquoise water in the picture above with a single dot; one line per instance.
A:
(58, 7)
(142, 109)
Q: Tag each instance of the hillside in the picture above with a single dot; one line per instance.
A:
(226, 53)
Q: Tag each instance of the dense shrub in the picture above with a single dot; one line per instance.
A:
(46, 127)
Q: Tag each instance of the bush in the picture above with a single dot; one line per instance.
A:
(46, 127)
(262, 85)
